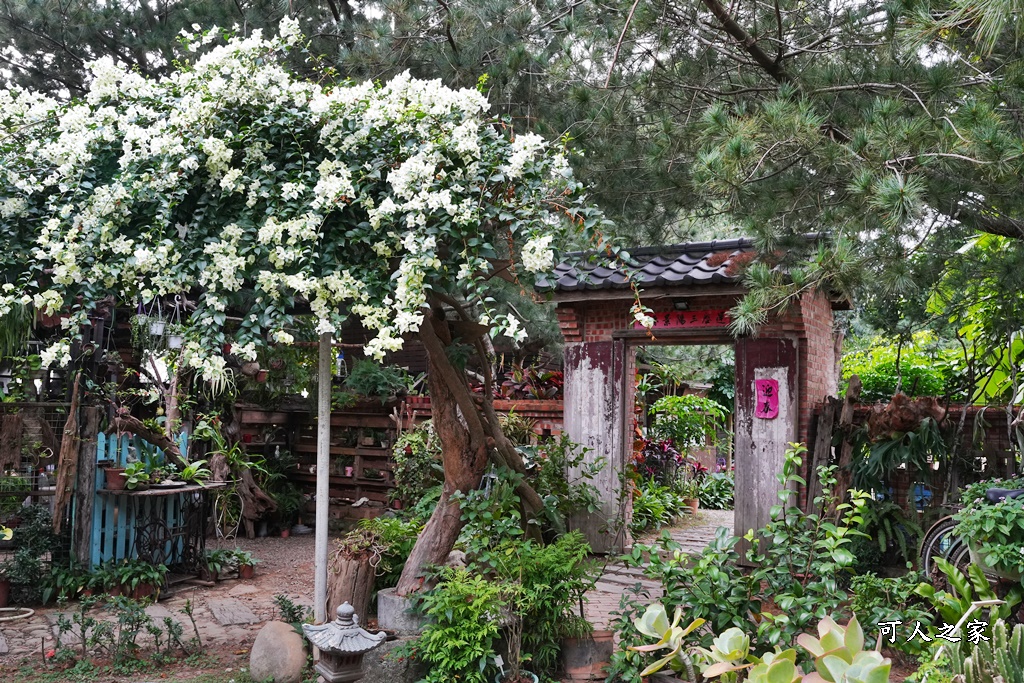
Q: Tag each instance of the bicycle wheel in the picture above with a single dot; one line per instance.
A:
(937, 543)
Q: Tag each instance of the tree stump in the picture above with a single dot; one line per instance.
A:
(350, 580)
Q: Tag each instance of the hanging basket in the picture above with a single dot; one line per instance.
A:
(156, 328)
(175, 341)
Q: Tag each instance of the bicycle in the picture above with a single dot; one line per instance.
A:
(940, 541)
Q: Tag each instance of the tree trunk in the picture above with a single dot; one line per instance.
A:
(351, 581)
(464, 457)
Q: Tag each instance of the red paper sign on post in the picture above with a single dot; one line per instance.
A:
(766, 393)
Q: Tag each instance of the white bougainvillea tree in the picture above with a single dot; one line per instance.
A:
(259, 196)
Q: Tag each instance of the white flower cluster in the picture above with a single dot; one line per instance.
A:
(57, 354)
(538, 257)
(642, 315)
(203, 195)
(524, 148)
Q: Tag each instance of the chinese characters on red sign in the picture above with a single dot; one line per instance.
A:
(685, 320)
(766, 393)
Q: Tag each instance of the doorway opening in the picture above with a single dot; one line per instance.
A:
(681, 464)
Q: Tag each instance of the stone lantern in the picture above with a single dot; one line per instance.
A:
(342, 644)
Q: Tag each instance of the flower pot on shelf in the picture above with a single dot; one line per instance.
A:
(348, 471)
(115, 478)
(583, 659)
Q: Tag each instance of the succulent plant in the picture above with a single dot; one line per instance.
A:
(654, 623)
(1002, 657)
(865, 667)
(729, 652)
(833, 641)
(776, 667)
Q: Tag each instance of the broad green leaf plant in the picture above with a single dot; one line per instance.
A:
(255, 193)
(838, 653)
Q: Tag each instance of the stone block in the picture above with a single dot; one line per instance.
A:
(394, 613)
(382, 665)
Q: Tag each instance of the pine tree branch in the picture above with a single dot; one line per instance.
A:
(618, 43)
(749, 43)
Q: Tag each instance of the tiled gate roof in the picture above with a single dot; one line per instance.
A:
(694, 263)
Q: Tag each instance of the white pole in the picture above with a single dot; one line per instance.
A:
(323, 471)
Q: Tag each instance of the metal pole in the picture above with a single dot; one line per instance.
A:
(323, 472)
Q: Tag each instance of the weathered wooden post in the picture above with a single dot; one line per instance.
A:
(323, 478)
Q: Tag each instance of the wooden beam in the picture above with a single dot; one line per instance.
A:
(85, 485)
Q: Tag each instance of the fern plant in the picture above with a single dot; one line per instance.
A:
(890, 527)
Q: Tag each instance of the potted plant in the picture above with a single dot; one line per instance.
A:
(139, 579)
(218, 562)
(689, 490)
(246, 563)
(585, 651)
(115, 478)
(992, 528)
(136, 478)
(175, 336)
(372, 474)
(195, 472)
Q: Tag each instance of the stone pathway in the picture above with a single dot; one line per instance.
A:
(231, 613)
(617, 578)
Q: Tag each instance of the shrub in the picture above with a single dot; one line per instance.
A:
(417, 468)
(654, 506)
(458, 642)
(688, 421)
(715, 491)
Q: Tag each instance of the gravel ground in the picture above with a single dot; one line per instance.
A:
(285, 564)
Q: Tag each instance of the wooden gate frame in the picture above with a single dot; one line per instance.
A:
(686, 288)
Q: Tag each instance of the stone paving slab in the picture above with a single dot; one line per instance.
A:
(229, 611)
(157, 612)
(4, 648)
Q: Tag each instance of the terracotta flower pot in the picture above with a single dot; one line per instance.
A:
(246, 571)
(143, 590)
(692, 503)
(584, 659)
(284, 533)
(115, 479)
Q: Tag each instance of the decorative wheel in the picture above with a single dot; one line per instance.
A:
(153, 542)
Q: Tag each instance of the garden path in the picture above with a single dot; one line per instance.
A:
(231, 613)
(693, 534)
